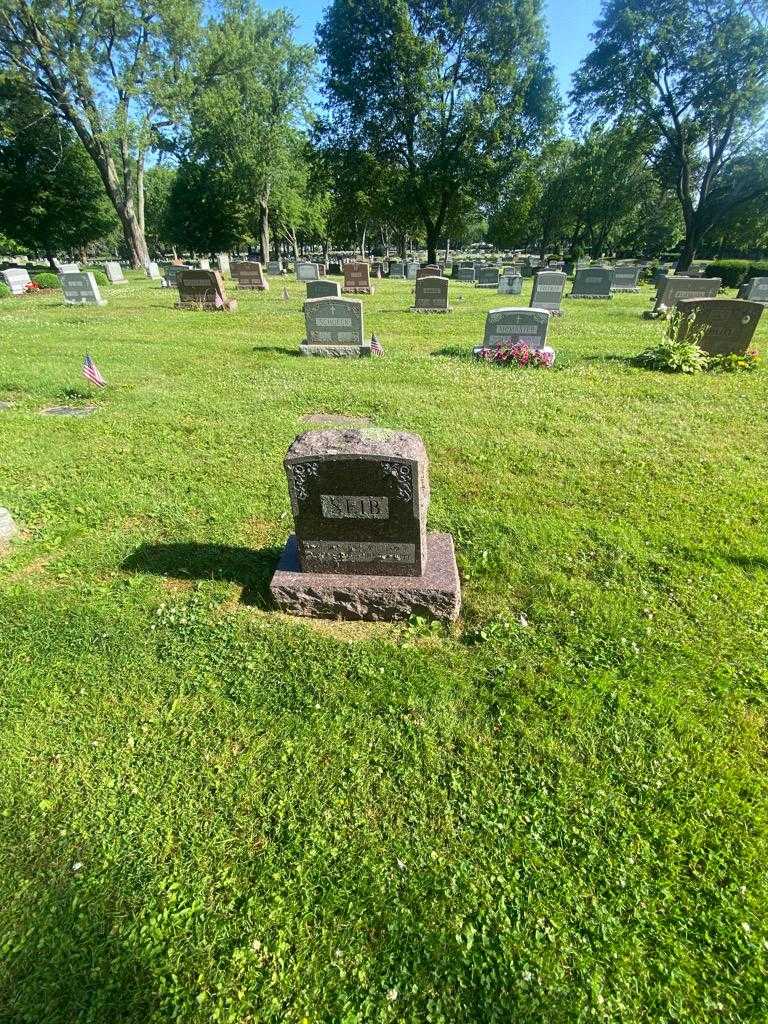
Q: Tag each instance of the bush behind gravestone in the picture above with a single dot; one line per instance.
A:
(99, 276)
(46, 280)
(5, 291)
(735, 272)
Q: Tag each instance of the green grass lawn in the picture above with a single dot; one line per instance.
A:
(555, 810)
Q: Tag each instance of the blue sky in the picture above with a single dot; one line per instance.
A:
(570, 22)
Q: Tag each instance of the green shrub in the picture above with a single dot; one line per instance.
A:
(757, 269)
(99, 276)
(46, 280)
(730, 272)
(673, 357)
(5, 291)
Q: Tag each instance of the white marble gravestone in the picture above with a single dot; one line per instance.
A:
(114, 272)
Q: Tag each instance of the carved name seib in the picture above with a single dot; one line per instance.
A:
(359, 513)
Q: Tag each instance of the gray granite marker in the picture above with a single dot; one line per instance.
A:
(728, 325)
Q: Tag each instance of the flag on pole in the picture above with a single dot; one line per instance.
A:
(376, 349)
(91, 373)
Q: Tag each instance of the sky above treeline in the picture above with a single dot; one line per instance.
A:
(570, 23)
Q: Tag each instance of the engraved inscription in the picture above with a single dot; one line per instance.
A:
(358, 551)
(333, 321)
(352, 506)
(302, 472)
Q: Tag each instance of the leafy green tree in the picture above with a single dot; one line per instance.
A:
(242, 121)
(109, 69)
(51, 197)
(158, 185)
(695, 73)
(449, 94)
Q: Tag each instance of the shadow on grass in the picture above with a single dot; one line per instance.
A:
(251, 568)
(456, 352)
(628, 360)
(279, 350)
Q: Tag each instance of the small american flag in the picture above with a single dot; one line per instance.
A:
(91, 373)
(376, 349)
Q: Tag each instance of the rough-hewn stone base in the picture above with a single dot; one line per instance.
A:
(626, 290)
(336, 351)
(436, 594)
(358, 291)
(572, 296)
(421, 309)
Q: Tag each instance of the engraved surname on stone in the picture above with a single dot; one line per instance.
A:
(359, 551)
(516, 329)
(333, 321)
(353, 506)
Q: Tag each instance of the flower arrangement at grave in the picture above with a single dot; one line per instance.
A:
(32, 288)
(519, 354)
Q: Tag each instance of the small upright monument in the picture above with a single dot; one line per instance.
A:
(361, 549)
(357, 278)
(203, 289)
(335, 328)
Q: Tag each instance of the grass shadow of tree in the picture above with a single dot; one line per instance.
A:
(250, 568)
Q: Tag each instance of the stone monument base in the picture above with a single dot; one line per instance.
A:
(436, 594)
(336, 351)
(358, 291)
(634, 291)
(572, 296)
(421, 309)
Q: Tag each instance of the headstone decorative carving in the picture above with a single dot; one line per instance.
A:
(755, 290)
(17, 280)
(361, 549)
(114, 272)
(81, 290)
(335, 328)
(625, 279)
(431, 295)
(728, 325)
(323, 289)
(249, 276)
(357, 278)
(548, 288)
(507, 326)
(203, 289)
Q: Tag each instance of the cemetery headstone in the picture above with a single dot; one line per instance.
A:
(509, 325)
(114, 272)
(728, 325)
(17, 280)
(68, 268)
(274, 268)
(172, 272)
(411, 271)
(673, 289)
(755, 290)
(431, 295)
(487, 277)
(222, 262)
(397, 269)
(323, 289)
(431, 270)
(357, 278)
(465, 273)
(81, 290)
(8, 528)
(204, 264)
(361, 549)
(153, 271)
(203, 289)
(335, 269)
(307, 272)
(548, 288)
(625, 279)
(249, 276)
(510, 284)
(335, 328)
(592, 283)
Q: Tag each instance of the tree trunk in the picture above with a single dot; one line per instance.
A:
(362, 241)
(431, 246)
(51, 257)
(447, 249)
(134, 236)
(264, 227)
(140, 192)
(688, 252)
